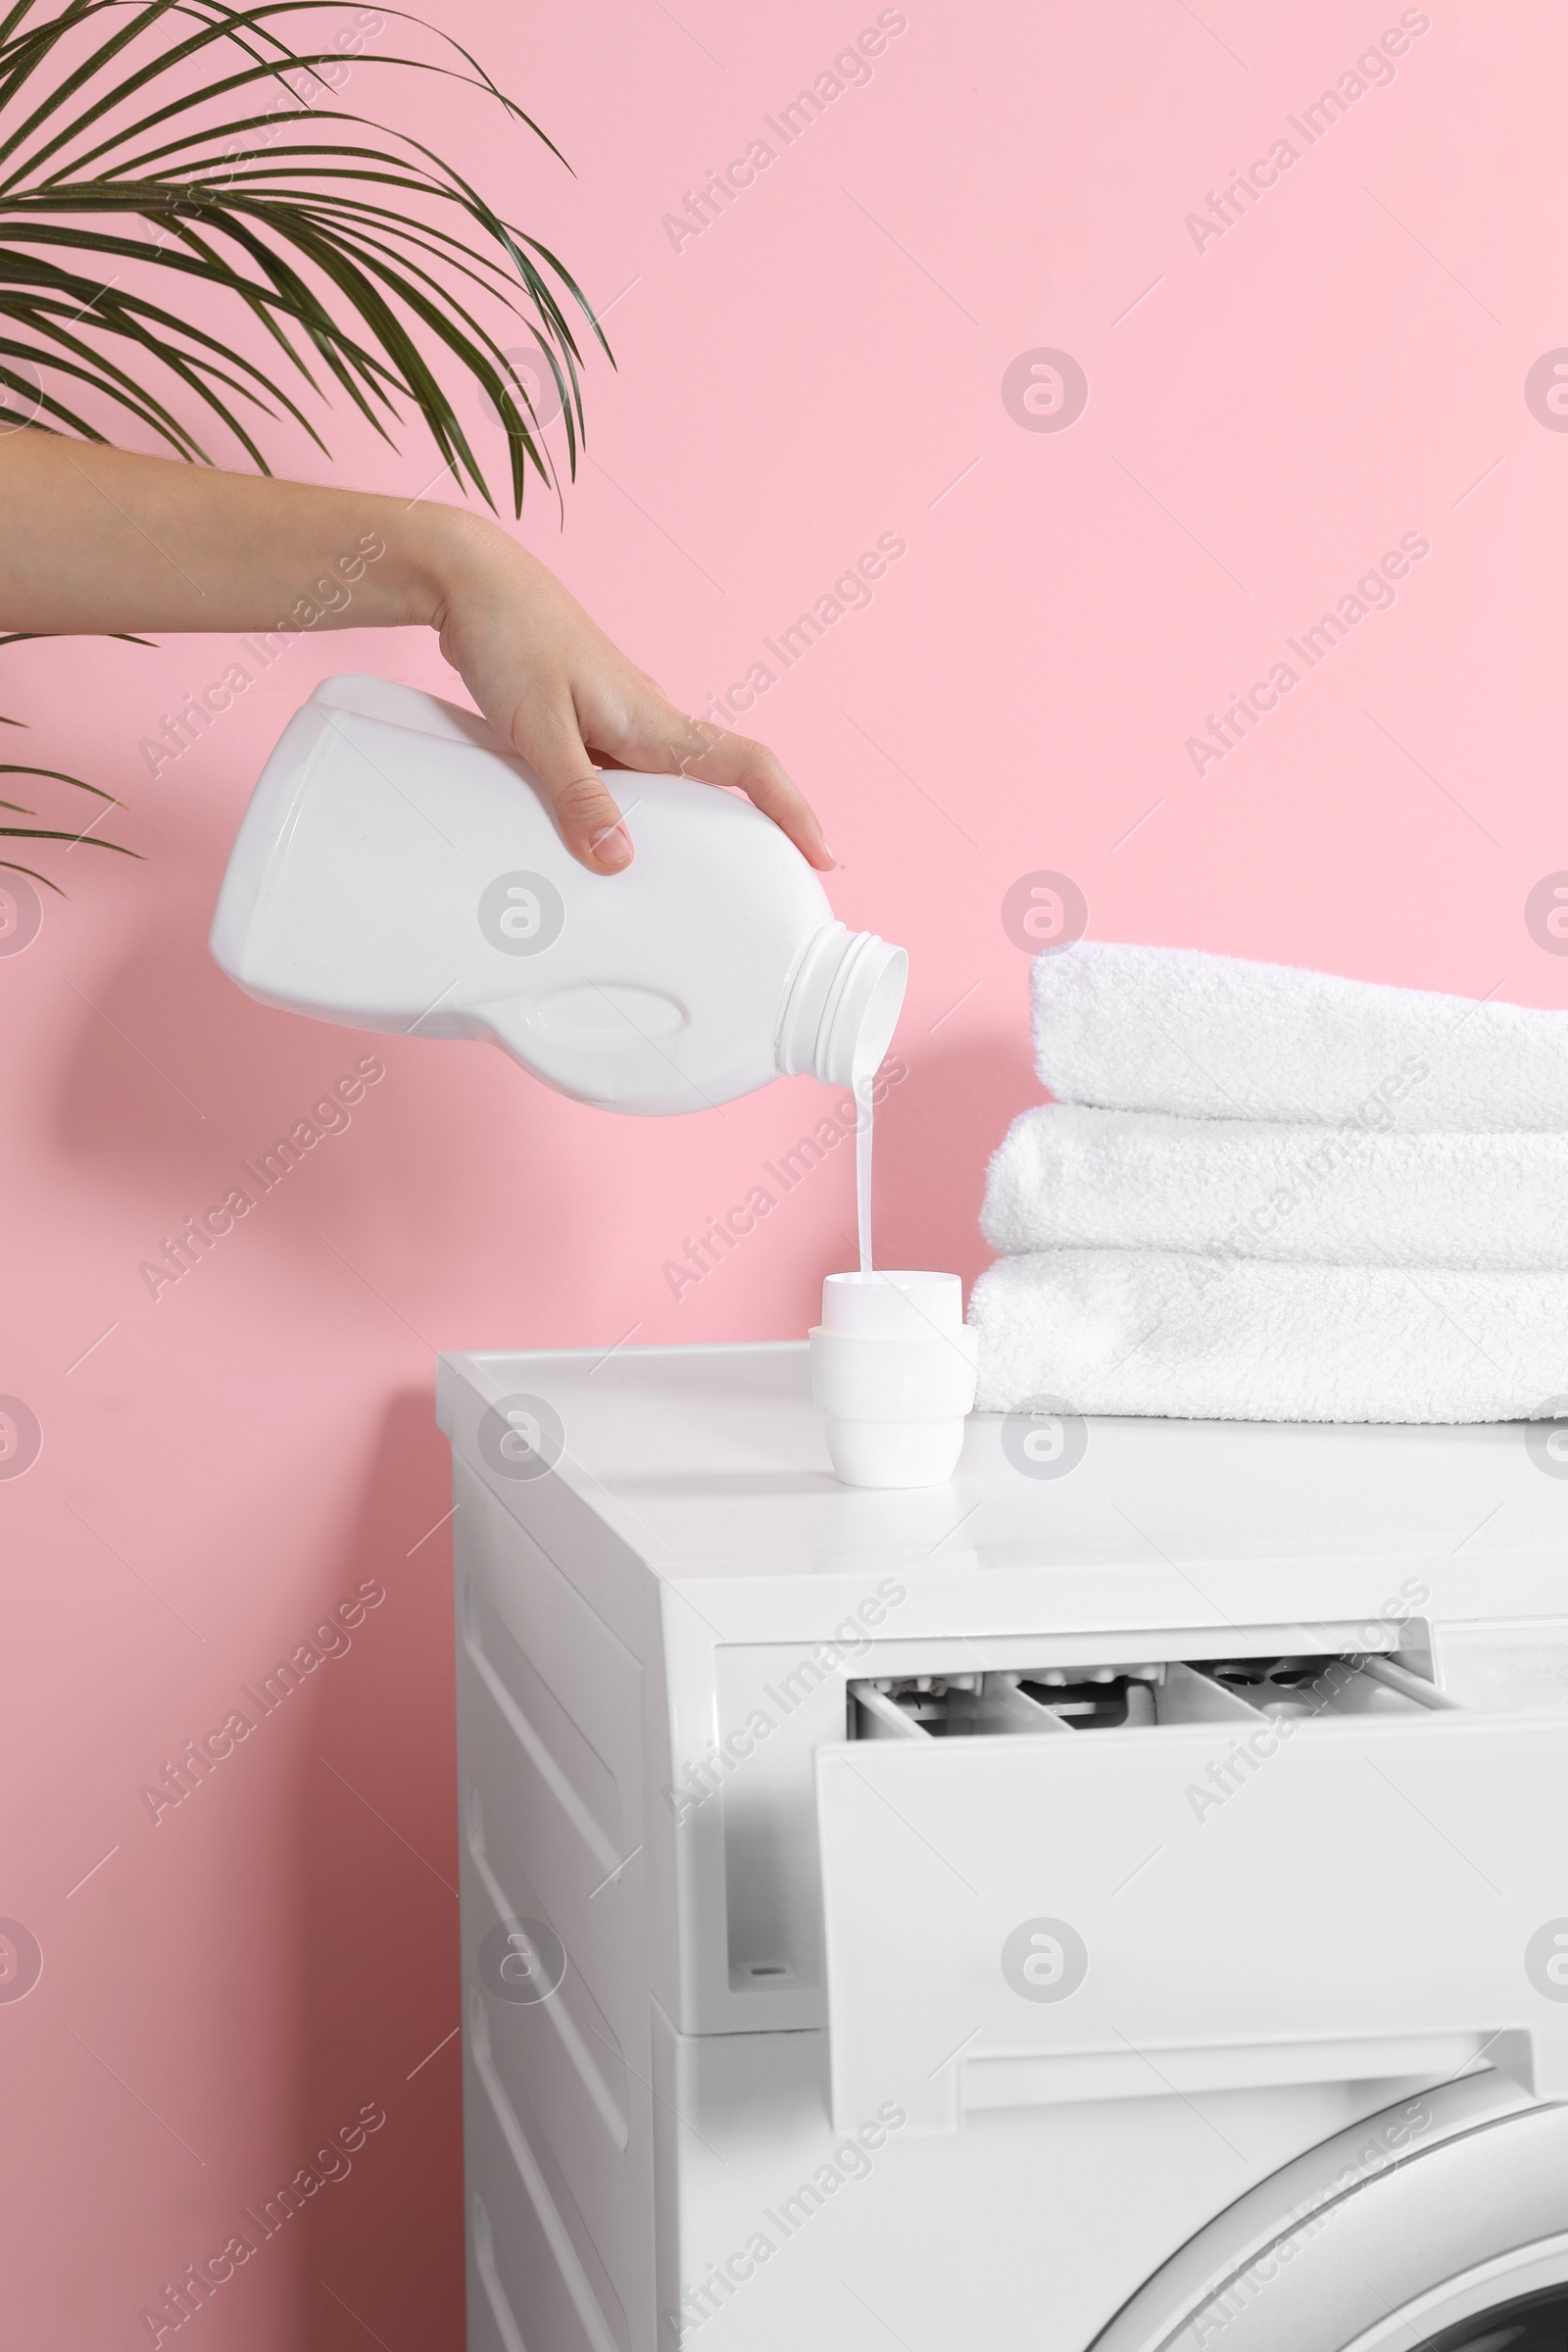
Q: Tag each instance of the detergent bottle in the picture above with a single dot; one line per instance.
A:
(398, 868)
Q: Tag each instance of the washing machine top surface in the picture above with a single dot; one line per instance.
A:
(710, 1463)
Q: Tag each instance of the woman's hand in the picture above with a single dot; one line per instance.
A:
(98, 540)
(553, 686)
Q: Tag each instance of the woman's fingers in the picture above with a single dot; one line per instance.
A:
(555, 685)
(587, 815)
(662, 736)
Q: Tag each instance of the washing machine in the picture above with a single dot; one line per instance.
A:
(1118, 1899)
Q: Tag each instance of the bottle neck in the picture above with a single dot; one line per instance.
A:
(841, 1005)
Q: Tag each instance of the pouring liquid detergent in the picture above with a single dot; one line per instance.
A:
(863, 1115)
(398, 868)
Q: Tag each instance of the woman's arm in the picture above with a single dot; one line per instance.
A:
(96, 540)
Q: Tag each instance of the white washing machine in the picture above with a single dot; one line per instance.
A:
(1116, 1900)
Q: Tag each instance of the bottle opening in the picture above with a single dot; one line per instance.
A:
(841, 1006)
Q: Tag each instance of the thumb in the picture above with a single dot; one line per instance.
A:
(588, 818)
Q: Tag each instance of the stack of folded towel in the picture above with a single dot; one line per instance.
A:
(1271, 1195)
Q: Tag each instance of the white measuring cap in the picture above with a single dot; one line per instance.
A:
(893, 1370)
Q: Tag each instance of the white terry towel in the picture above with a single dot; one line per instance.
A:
(1164, 1333)
(1068, 1177)
(1134, 1028)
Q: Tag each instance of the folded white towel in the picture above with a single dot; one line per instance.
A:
(1068, 1177)
(1170, 1029)
(1163, 1333)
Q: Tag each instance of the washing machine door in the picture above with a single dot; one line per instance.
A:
(1440, 2224)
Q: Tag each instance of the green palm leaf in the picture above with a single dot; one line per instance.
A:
(150, 145)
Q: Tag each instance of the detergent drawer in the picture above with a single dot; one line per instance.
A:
(1178, 1880)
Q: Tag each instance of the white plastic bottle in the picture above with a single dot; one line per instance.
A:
(399, 869)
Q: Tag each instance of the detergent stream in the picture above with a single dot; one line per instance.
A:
(863, 1164)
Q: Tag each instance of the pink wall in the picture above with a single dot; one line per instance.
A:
(1270, 411)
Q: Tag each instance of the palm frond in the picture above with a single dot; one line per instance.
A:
(9, 767)
(323, 239)
(150, 149)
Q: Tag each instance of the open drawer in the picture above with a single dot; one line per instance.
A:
(1183, 1877)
